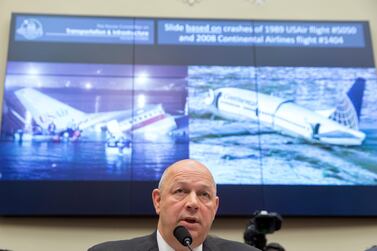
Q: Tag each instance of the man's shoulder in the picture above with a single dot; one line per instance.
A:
(217, 243)
(147, 242)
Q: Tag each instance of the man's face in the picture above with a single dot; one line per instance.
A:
(187, 197)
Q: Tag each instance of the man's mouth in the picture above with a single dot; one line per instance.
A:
(190, 220)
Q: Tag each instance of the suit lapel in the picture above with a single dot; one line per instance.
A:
(150, 243)
(208, 245)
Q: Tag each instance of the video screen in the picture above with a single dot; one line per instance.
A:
(93, 122)
(100, 106)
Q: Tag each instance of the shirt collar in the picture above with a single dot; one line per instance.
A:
(164, 246)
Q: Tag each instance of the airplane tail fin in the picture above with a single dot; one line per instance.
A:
(348, 111)
(356, 93)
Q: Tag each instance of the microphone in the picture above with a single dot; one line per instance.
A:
(183, 236)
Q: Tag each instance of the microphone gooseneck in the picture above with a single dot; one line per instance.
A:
(183, 236)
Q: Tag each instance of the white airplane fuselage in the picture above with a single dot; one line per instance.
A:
(283, 116)
(45, 110)
(151, 119)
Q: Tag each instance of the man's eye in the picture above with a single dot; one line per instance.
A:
(180, 190)
(206, 195)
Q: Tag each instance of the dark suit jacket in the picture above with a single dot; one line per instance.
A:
(149, 243)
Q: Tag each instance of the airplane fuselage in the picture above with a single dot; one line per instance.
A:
(55, 117)
(283, 116)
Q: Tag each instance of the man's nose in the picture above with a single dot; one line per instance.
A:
(192, 201)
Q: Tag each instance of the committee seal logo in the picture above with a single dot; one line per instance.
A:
(30, 28)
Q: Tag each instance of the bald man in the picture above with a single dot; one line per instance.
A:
(186, 196)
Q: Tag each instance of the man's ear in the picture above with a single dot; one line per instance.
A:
(217, 203)
(156, 198)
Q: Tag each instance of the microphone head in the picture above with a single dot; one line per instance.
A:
(182, 235)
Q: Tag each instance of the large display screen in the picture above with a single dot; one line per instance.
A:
(95, 108)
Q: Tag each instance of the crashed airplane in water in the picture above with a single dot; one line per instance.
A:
(337, 126)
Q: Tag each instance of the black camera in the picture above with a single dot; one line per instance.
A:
(260, 224)
(265, 222)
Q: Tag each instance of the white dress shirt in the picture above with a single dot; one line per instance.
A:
(164, 246)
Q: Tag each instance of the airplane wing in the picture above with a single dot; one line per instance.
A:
(337, 134)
